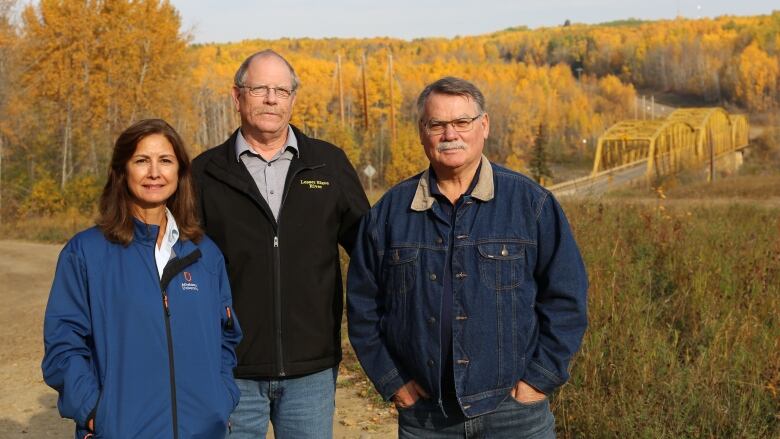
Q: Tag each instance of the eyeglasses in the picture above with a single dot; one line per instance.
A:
(435, 127)
(261, 91)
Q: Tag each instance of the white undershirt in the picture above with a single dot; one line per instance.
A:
(164, 253)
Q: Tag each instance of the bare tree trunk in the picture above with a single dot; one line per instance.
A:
(365, 94)
(382, 152)
(66, 145)
(93, 158)
(205, 120)
(142, 77)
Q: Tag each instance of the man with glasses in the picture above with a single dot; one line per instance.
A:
(466, 290)
(279, 203)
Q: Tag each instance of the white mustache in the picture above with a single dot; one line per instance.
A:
(265, 110)
(450, 144)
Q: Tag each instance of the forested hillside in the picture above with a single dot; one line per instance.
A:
(74, 74)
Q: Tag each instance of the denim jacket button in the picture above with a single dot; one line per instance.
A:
(431, 320)
(439, 240)
(431, 363)
(433, 276)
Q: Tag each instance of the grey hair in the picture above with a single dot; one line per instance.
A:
(451, 85)
(240, 76)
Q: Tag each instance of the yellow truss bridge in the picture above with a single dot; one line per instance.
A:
(687, 138)
(634, 150)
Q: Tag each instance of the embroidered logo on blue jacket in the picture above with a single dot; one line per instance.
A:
(189, 285)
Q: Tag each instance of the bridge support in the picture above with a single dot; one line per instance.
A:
(725, 164)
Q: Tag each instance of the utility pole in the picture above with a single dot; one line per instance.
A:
(341, 91)
(652, 107)
(365, 93)
(392, 105)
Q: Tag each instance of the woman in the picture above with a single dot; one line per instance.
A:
(139, 331)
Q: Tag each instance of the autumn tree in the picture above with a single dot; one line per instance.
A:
(344, 137)
(92, 67)
(96, 66)
(758, 78)
(7, 72)
(407, 157)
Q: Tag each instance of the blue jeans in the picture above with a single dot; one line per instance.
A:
(298, 407)
(512, 419)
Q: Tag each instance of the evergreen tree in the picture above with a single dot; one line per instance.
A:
(538, 166)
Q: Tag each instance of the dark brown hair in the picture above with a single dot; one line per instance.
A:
(115, 216)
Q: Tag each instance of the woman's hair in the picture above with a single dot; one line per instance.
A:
(115, 216)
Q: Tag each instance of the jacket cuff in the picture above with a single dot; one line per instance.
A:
(541, 379)
(93, 406)
(390, 383)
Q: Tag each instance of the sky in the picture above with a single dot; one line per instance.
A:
(235, 20)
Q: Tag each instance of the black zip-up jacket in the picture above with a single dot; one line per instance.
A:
(285, 275)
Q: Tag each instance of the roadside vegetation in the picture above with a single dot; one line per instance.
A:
(684, 336)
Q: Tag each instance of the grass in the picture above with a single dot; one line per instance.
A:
(55, 228)
(755, 187)
(684, 336)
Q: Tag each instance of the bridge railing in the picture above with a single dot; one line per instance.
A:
(582, 185)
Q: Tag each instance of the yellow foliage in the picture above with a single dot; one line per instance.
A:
(44, 199)
(82, 193)
(758, 78)
(90, 68)
(515, 162)
(344, 138)
(407, 156)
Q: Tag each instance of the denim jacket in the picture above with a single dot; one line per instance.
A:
(519, 287)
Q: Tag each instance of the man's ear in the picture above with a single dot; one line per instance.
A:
(235, 92)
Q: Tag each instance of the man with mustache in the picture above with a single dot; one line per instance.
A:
(466, 290)
(278, 204)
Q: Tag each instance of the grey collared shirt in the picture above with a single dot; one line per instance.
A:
(269, 175)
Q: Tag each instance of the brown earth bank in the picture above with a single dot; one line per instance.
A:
(28, 407)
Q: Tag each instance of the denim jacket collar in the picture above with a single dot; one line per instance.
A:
(483, 191)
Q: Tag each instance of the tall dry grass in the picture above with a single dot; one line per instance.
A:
(684, 336)
(55, 228)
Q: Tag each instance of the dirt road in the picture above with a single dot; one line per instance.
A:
(28, 407)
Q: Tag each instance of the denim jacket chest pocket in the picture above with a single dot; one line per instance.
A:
(501, 264)
(399, 273)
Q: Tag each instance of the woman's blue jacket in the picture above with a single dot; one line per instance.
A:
(142, 356)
